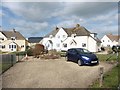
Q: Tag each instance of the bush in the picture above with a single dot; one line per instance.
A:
(38, 50)
(30, 52)
(19, 53)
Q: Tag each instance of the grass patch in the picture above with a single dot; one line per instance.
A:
(4, 66)
(110, 79)
(104, 57)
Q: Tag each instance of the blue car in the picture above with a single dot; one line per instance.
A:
(81, 56)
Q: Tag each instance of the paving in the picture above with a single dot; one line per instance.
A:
(40, 73)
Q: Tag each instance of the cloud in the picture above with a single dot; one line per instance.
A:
(31, 28)
(34, 11)
(44, 10)
(35, 18)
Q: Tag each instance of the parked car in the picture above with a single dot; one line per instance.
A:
(81, 56)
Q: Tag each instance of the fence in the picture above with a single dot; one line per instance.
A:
(8, 60)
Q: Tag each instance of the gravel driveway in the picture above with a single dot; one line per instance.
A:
(37, 73)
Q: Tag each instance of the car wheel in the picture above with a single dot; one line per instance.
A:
(80, 62)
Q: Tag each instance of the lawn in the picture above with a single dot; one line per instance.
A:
(104, 57)
(110, 79)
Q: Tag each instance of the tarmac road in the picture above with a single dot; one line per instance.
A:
(37, 73)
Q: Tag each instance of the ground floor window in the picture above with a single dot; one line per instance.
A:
(83, 44)
(12, 46)
(64, 45)
(3, 46)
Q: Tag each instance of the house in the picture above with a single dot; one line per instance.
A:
(109, 40)
(76, 37)
(34, 40)
(11, 41)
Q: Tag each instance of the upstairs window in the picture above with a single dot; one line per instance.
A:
(63, 36)
(22, 46)
(58, 36)
(13, 38)
(64, 45)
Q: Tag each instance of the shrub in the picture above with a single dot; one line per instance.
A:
(38, 50)
(30, 52)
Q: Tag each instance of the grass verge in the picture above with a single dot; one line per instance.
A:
(110, 80)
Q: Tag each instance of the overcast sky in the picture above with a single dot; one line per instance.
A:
(40, 18)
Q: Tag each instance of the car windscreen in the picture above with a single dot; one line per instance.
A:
(84, 51)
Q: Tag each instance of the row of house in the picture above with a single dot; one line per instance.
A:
(76, 37)
(59, 39)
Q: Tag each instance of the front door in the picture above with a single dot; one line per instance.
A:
(13, 47)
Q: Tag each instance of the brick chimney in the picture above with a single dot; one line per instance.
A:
(56, 28)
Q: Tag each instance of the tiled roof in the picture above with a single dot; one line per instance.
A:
(113, 37)
(78, 30)
(35, 39)
(16, 34)
(54, 32)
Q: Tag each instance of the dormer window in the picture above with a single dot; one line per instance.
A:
(13, 38)
(73, 35)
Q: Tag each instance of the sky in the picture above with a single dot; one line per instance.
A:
(36, 19)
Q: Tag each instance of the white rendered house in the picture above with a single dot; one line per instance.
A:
(66, 38)
(11, 41)
(110, 40)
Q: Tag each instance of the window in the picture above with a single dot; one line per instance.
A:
(64, 45)
(108, 45)
(14, 46)
(9, 46)
(13, 38)
(83, 44)
(22, 46)
(3, 46)
(63, 36)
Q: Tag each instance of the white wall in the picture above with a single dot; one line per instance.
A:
(2, 36)
(106, 42)
(92, 45)
(62, 38)
(19, 43)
